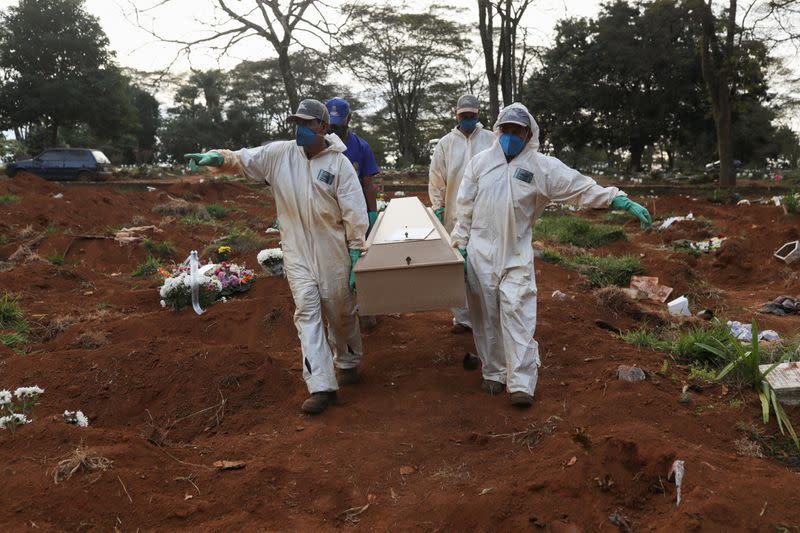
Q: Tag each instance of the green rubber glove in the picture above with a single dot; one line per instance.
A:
(354, 255)
(439, 214)
(373, 216)
(277, 224)
(640, 212)
(463, 252)
(208, 159)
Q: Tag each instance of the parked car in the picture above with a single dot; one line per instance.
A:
(715, 165)
(80, 164)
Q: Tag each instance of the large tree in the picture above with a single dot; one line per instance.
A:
(403, 54)
(277, 23)
(57, 70)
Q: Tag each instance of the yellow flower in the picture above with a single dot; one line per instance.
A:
(224, 250)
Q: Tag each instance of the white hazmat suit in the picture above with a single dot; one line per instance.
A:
(323, 214)
(498, 202)
(450, 157)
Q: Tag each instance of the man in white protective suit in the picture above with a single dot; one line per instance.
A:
(323, 218)
(504, 190)
(450, 156)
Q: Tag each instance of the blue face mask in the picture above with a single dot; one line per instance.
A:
(467, 125)
(305, 136)
(511, 144)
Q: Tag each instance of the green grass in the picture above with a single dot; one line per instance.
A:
(197, 220)
(9, 198)
(13, 323)
(616, 217)
(565, 229)
(645, 338)
(219, 212)
(239, 239)
(791, 202)
(56, 258)
(162, 250)
(3, 240)
(51, 230)
(600, 271)
(684, 345)
(148, 268)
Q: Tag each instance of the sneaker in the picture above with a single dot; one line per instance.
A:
(521, 399)
(471, 362)
(347, 376)
(493, 387)
(318, 402)
(459, 329)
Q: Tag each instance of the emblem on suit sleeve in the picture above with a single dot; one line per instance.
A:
(325, 177)
(523, 175)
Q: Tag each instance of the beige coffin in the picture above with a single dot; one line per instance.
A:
(410, 264)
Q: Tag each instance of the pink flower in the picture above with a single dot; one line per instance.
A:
(777, 177)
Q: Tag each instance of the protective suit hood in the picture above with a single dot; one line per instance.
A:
(515, 109)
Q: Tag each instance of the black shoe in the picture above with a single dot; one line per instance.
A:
(459, 329)
(318, 402)
(493, 387)
(471, 362)
(521, 399)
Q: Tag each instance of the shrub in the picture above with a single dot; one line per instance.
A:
(148, 268)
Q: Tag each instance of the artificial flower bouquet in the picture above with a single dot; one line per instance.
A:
(271, 260)
(217, 282)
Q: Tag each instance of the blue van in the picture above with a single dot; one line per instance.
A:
(80, 164)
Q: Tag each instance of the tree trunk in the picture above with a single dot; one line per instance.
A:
(288, 77)
(637, 149)
(670, 159)
(724, 126)
(54, 134)
(486, 30)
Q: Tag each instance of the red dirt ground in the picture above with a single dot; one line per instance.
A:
(417, 440)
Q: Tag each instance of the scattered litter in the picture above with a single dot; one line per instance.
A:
(272, 230)
(781, 306)
(677, 470)
(58, 196)
(399, 194)
(679, 307)
(561, 297)
(743, 201)
(744, 333)
(706, 246)
(572, 461)
(789, 252)
(706, 314)
(776, 200)
(486, 491)
(650, 286)
(620, 520)
(76, 418)
(784, 379)
(229, 465)
(150, 189)
(630, 373)
(136, 234)
(671, 220)
(407, 470)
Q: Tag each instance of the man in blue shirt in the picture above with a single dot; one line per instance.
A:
(358, 152)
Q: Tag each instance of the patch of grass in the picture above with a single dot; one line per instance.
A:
(744, 362)
(645, 338)
(3, 240)
(241, 240)
(14, 326)
(9, 198)
(51, 230)
(56, 258)
(80, 460)
(701, 373)
(148, 268)
(791, 202)
(195, 220)
(93, 339)
(600, 271)
(178, 207)
(691, 346)
(576, 231)
(616, 217)
(163, 250)
(219, 212)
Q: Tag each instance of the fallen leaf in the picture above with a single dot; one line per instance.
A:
(486, 491)
(407, 470)
(572, 461)
(229, 465)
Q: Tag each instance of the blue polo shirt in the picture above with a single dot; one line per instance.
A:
(360, 155)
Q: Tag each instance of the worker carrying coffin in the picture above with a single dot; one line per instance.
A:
(324, 220)
(503, 191)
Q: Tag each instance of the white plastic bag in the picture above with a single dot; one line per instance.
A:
(195, 281)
